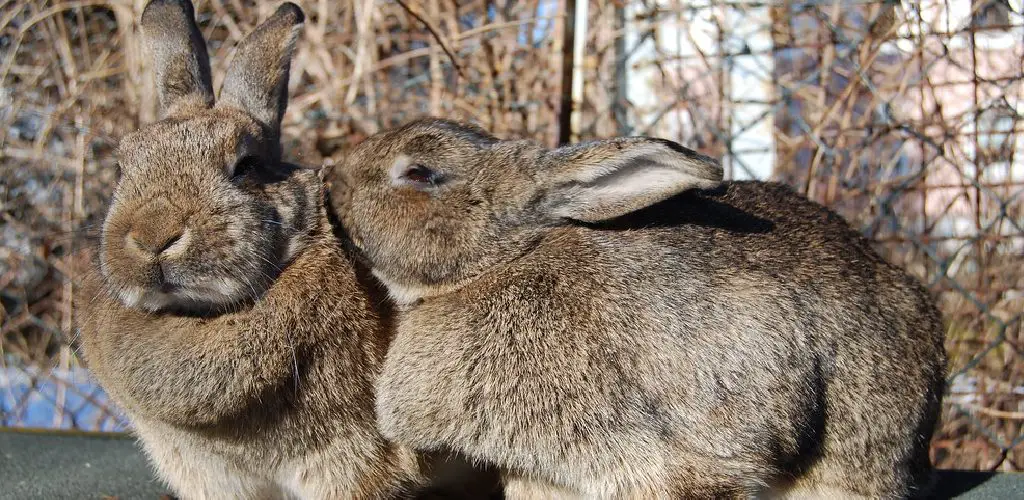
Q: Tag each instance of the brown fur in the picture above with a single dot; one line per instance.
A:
(723, 342)
(223, 314)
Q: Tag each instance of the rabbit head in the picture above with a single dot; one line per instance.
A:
(204, 213)
(435, 202)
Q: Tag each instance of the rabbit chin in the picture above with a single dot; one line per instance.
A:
(401, 293)
(209, 296)
(405, 294)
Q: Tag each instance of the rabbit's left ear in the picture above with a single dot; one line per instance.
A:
(257, 80)
(606, 179)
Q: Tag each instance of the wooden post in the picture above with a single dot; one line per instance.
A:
(620, 113)
(565, 104)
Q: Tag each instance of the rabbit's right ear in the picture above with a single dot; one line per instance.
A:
(602, 180)
(179, 56)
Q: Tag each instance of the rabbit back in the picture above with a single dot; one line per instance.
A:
(745, 331)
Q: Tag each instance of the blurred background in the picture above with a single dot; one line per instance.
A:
(903, 116)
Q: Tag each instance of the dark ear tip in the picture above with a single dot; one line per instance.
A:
(683, 150)
(290, 11)
(673, 145)
(152, 6)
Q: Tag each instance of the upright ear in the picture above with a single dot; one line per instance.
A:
(178, 51)
(606, 179)
(257, 80)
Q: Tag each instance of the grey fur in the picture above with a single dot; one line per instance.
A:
(723, 342)
(223, 314)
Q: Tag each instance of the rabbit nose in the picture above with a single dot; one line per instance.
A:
(154, 244)
(156, 231)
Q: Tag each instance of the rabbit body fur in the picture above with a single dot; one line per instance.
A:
(221, 311)
(723, 340)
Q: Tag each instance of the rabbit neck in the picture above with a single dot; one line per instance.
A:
(407, 294)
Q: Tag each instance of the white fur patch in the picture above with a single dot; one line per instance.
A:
(180, 246)
(213, 292)
(402, 294)
(397, 171)
(131, 296)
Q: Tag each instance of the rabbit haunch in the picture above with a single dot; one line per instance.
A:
(611, 319)
(223, 314)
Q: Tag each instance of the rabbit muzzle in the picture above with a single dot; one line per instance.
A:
(161, 257)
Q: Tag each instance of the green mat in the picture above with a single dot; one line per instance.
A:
(53, 465)
(49, 465)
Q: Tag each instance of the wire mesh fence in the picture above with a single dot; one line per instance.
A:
(903, 116)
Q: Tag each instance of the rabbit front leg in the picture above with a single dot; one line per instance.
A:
(318, 476)
(194, 472)
(205, 373)
(182, 370)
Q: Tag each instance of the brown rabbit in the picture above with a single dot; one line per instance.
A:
(611, 320)
(223, 314)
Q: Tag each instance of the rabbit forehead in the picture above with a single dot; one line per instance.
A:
(487, 163)
(208, 140)
(428, 140)
(449, 153)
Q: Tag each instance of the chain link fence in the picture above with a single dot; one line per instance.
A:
(903, 116)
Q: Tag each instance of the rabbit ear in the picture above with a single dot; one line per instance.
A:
(178, 51)
(257, 80)
(606, 179)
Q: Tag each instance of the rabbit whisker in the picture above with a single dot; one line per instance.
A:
(270, 263)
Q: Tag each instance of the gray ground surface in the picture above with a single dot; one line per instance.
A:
(37, 465)
(45, 465)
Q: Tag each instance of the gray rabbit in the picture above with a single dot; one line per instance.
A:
(611, 320)
(222, 312)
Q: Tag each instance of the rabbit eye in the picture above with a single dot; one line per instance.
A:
(421, 175)
(245, 167)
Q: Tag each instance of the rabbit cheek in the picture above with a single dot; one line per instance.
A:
(234, 260)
